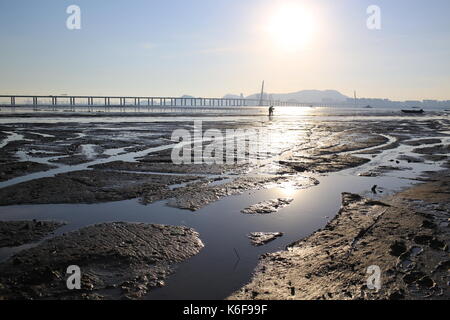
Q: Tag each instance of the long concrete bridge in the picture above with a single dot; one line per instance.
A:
(69, 102)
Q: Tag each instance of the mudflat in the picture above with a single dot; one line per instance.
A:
(405, 235)
(117, 261)
(71, 167)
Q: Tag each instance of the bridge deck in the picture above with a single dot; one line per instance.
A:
(72, 101)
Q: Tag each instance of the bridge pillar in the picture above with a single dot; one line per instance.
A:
(34, 103)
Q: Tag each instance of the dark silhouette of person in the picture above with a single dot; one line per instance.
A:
(271, 109)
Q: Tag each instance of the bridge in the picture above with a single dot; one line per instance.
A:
(124, 103)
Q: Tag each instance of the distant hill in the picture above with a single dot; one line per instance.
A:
(306, 96)
(231, 96)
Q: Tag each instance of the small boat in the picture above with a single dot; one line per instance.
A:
(368, 107)
(413, 111)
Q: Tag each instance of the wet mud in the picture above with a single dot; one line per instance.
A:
(197, 195)
(91, 186)
(116, 260)
(323, 164)
(146, 166)
(86, 163)
(261, 238)
(17, 233)
(16, 169)
(405, 235)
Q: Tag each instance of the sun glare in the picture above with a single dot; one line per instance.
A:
(292, 27)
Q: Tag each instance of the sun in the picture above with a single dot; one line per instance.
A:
(292, 27)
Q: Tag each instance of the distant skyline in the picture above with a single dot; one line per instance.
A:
(211, 48)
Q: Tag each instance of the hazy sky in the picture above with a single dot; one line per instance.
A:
(214, 47)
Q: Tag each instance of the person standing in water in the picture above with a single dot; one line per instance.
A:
(271, 109)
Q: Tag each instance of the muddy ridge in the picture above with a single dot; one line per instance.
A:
(117, 260)
(17, 233)
(11, 170)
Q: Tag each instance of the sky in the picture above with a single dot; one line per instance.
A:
(210, 48)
